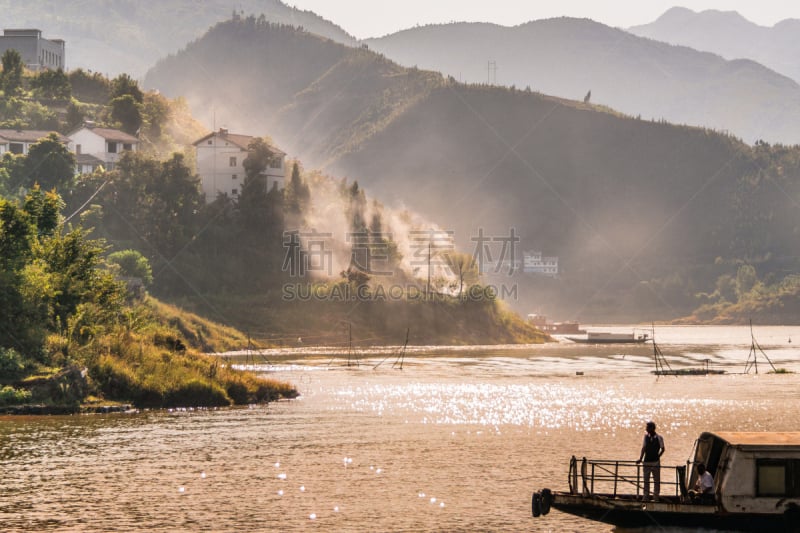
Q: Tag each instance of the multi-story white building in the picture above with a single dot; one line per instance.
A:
(220, 158)
(37, 53)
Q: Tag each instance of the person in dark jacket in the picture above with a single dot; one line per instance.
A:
(650, 456)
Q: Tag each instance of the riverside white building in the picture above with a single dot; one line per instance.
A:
(220, 158)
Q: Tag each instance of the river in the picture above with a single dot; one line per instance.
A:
(456, 440)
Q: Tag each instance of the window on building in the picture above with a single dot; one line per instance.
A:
(778, 477)
(234, 176)
(127, 147)
(275, 163)
(111, 148)
(16, 148)
(78, 149)
(210, 141)
(232, 161)
(234, 192)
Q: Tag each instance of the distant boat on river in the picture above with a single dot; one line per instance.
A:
(603, 337)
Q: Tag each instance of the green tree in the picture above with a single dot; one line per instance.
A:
(259, 156)
(52, 84)
(356, 202)
(132, 264)
(125, 85)
(156, 112)
(11, 77)
(153, 203)
(50, 164)
(16, 236)
(72, 263)
(90, 87)
(13, 166)
(258, 211)
(44, 209)
(75, 116)
(464, 268)
(127, 112)
(297, 194)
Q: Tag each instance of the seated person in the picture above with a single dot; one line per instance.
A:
(704, 487)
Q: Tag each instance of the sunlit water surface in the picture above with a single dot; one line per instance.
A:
(456, 440)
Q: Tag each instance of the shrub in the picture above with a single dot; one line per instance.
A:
(113, 378)
(11, 364)
(12, 396)
(197, 393)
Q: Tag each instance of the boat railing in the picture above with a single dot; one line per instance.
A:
(620, 478)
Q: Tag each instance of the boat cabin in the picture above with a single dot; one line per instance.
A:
(754, 472)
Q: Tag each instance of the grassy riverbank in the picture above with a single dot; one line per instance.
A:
(151, 359)
(442, 320)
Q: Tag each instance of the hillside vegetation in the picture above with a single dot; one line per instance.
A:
(119, 37)
(577, 58)
(216, 258)
(646, 217)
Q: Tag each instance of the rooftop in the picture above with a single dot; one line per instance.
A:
(109, 134)
(28, 135)
(242, 141)
(760, 438)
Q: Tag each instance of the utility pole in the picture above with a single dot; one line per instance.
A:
(491, 72)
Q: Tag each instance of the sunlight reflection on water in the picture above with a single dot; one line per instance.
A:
(456, 441)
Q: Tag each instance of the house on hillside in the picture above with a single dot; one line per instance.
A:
(37, 53)
(104, 144)
(220, 157)
(19, 141)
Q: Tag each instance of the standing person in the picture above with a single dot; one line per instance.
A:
(652, 450)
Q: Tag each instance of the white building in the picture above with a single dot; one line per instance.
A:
(534, 263)
(220, 157)
(105, 144)
(19, 141)
(37, 53)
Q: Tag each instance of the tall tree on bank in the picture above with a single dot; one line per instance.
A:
(257, 212)
(128, 112)
(297, 197)
(11, 77)
(50, 164)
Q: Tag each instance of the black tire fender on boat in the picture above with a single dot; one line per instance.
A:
(546, 497)
(791, 519)
(536, 504)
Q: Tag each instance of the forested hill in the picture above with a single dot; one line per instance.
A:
(569, 57)
(128, 36)
(643, 215)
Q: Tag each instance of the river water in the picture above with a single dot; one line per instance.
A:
(456, 440)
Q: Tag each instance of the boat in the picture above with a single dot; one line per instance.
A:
(756, 487)
(602, 337)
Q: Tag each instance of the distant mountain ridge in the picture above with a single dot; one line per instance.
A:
(730, 35)
(129, 36)
(569, 57)
(642, 214)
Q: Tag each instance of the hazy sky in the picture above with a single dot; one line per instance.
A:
(373, 18)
